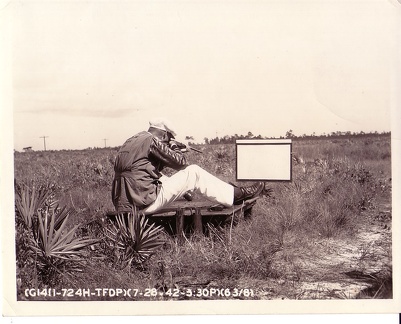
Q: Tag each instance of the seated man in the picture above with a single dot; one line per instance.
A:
(138, 180)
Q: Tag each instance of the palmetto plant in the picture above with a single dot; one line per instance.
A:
(54, 248)
(55, 245)
(134, 239)
(29, 200)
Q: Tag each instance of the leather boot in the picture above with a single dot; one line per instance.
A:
(244, 193)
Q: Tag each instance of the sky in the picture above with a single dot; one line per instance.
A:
(93, 73)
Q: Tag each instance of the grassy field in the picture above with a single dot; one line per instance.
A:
(325, 235)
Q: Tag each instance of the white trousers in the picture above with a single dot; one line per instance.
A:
(192, 178)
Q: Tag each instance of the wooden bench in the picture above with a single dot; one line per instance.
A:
(197, 213)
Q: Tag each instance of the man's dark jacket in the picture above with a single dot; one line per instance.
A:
(137, 170)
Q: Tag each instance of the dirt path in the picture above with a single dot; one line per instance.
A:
(337, 268)
(357, 268)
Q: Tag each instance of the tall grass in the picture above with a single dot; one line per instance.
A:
(334, 183)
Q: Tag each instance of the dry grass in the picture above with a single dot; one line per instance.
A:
(337, 187)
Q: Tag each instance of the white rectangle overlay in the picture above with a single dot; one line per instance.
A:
(268, 160)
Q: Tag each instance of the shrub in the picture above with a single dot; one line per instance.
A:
(28, 201)
(43, 241)
(133, 239)
(56, 250)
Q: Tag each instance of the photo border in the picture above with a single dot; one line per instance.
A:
(13, 308)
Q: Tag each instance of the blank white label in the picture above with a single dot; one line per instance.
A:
(264, 160)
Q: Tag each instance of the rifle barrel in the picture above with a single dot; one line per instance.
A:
(194, 149)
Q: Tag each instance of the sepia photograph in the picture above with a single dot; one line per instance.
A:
(200, 157)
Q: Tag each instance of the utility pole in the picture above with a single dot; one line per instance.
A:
(44, 141)
(105, 139)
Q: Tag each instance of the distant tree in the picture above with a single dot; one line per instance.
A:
(214, 140)
(289, 134)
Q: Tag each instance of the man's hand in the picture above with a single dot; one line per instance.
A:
(177, 146)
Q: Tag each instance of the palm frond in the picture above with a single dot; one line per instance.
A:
(28, 201)
(134, 237)
(54, 244)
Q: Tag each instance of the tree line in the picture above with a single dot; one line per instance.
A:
(230, 139)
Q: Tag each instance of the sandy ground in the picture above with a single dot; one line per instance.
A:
(338, 268)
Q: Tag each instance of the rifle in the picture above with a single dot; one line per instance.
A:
(182, 147)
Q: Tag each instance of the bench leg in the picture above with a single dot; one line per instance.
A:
(179, 225)
(198, 222)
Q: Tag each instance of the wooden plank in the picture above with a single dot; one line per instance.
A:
(204, 206)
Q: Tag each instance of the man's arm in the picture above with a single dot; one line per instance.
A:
(174, 159)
